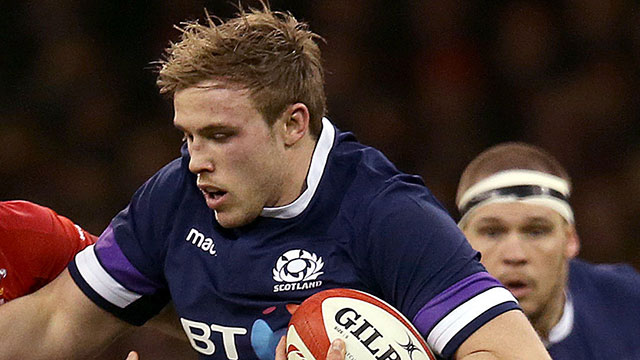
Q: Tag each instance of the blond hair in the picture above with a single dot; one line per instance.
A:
(509, 156)
(269, 53)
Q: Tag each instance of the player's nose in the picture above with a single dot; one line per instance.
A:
(201, 160)
(514, 250)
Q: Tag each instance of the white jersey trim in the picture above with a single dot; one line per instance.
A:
(316, 169)
(453, 323)
(100, 281)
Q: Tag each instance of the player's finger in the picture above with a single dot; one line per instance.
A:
(336, 350)
(132, 356)
(280, 350)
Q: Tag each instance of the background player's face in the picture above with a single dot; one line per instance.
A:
(527, 248)
(238, 158)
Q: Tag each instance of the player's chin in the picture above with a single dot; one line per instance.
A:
(229, 219)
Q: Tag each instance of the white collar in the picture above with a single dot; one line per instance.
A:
(564, 326)
(316, 169)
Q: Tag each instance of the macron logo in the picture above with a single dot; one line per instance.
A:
(202, 242)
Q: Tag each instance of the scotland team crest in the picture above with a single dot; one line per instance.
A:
(297, 269)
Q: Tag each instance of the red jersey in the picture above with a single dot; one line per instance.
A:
(36, 244)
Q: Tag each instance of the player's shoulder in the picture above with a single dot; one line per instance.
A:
(167, 183)
(173, 172)
(375, 192)
(604, 272)
(156, 205)
(355, 156)
(605, 298)
(609, 278)
(369, 174)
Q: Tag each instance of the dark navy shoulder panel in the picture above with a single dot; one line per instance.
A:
(606, 318)
(599, 281)
(142, 228)
(396, 222)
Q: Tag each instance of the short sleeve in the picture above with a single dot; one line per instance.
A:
(123, 271)
(422, 263)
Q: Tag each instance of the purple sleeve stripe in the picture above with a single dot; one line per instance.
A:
(465, 289)
(118, 266)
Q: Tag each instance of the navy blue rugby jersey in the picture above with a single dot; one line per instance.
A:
(601, 320)
(359, 224)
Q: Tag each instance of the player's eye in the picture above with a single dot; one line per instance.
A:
(538, 231)
(491, 231)
(220, 135)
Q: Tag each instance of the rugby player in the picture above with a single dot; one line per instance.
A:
(268, 204)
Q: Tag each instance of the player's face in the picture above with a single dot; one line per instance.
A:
(527, 248)
(235, 153)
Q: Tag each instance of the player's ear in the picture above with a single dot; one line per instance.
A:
(573, 242)
(296, 123)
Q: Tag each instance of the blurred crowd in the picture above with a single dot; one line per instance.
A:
(430, 83)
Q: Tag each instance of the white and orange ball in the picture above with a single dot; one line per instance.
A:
(370, 328)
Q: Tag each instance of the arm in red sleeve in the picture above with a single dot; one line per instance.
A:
(36, 244)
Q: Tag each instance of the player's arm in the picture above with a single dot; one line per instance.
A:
(507, 336)
(468, 314)
(167, 322)
(56, 322)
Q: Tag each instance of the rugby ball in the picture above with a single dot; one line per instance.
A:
(370, 328)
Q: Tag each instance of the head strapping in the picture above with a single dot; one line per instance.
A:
(527, 186)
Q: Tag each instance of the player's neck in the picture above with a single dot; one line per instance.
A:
(549, 317)
(298, 162)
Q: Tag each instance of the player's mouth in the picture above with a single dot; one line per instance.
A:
(213, 196)
(518, 288)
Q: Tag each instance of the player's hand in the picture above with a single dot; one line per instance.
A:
(133, 356)
(336, 350)
(281, 352)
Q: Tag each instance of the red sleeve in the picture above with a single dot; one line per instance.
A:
(36, 244)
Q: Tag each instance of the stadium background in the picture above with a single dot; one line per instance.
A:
(431, 83)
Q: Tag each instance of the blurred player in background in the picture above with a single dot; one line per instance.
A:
(268, 204)
(36, 244)
(514, 203)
